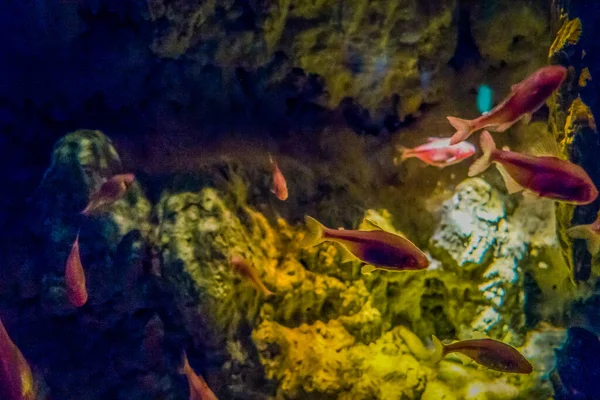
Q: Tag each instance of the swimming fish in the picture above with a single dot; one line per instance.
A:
(548, 177)
(490, 353)
(589, 232)
(199, 389)
(16, 379)
(525, 98)
(438, 152)
(376, 248)
(279, 187)
(485, 99)
(110, 191)
(243, 268)
(75, 277)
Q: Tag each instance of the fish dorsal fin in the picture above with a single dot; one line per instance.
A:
(511, 185)
(372, 226)
(345, 254)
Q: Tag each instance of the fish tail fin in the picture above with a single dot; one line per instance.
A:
(585, 232)
(315, 232)
(439, 350)
(185, 365)
(488, 146)
(403, 154)
(463, 129)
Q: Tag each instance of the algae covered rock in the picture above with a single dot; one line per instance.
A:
(509, 32)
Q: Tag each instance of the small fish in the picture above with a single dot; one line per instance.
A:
(279, 188)
(243, 268)
(490, 353)
(525, 98)
(485, 99)
(16, 379)
(438, 152)
(590, 233)
(376, 248)
(199, 389)
(75, 277)
(548, 177)
(110, 191)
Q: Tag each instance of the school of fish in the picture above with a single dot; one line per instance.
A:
(376, 249)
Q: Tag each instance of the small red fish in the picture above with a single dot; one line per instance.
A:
(487, 352)
(590, 233)
(525, 98)
(199, 389)
(110, 191)
(438, 152)
(548, 177)
(75, 277)
(377, 249)
(279, 188)
(243, 268)
(16, 379)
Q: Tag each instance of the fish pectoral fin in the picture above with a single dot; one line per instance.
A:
(345, 254)
(526, 118)
(366, 269)
(501, 127)
(511, 185)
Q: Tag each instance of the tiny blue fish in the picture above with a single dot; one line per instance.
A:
(485, 96)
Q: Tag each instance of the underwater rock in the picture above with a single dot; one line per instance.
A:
(81, 161)
(373, 51)
(511, 33)
(96, 351)
(475, 240)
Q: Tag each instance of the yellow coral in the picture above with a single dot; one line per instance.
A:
(579, 117)
(584, 77)
(568, 34)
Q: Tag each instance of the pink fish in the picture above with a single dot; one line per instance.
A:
(548, 177)
(438, 152)
(377, 249)
(16, 379)
(487, 352)
(75, 277)
(199, 389)
(525, 98)
(590, 233)
(247, 271)
(279, 188)
(110, 191)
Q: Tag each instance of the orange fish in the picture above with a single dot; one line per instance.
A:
(490, 353)
(377, 249)
(199, 389)
(590, 233)
(525, 98)
(75, 277)
(438, 152)
(16, 379)
(243, 268)
(279, 188)
(548, 177)
(110, 191)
